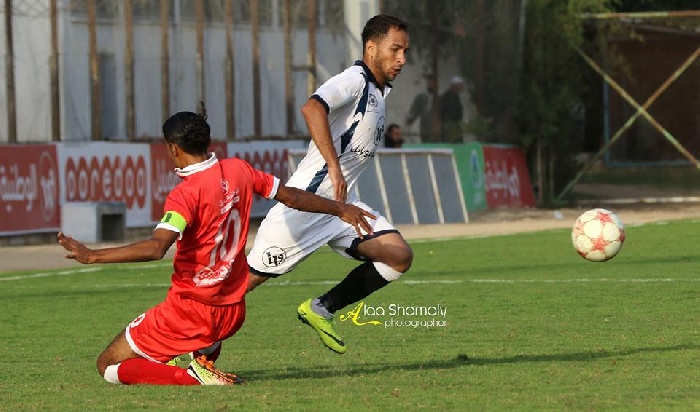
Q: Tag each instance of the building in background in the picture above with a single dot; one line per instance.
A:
(129, 68)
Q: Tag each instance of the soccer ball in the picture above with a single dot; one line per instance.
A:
(598, 235)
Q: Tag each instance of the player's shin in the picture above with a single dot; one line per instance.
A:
(143, 371)
(357, 285)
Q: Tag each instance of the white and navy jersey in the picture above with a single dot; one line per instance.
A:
(355, 106)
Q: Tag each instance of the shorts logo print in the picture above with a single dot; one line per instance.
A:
(134, 323)
(273, 256)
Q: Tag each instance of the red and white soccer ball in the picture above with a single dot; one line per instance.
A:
(598, 235)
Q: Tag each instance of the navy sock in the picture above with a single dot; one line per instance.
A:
(358, 284)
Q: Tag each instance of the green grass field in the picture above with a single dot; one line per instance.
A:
(530, 326)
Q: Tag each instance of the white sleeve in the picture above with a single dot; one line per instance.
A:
(340, 89)
(275, 186)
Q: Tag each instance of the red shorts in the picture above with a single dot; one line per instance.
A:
(181, 325)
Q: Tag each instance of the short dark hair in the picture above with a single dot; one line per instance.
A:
(378, 27)
(392, 127)
(188, 130)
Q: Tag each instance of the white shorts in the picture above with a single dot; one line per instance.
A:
(288, 236)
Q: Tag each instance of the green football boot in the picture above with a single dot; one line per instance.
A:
(182, 360)
(322, 326)
(206, 373)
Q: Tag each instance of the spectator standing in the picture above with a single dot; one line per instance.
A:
(422, 109)
(451, 112)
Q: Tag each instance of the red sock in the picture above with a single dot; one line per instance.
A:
(213, 356)
(142, 371)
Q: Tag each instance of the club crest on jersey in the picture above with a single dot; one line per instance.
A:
(372, 101)
(224, 185)
(273, 256)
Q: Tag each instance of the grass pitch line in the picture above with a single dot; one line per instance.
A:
(333, 282)
(48, 274)
(79, 271)
(420, 282)
(274, 284)
(508, 281)
(583, 280)
(534, 230)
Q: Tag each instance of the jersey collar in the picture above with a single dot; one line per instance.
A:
(197, 167)
(370, 76)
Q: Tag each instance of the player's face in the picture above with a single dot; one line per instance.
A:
(390, 55)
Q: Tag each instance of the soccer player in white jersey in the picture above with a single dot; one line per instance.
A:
(346, 118)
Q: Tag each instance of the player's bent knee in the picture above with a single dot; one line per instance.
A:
(402, 260)
(406, 259)
(101, 366)
(110, 374)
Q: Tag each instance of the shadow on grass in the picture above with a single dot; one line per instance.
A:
(573, 357)
(459, 361)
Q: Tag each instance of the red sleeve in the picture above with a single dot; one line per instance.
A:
(177, 202)
(264, 184)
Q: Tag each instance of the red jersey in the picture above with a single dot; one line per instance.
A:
(211, 210)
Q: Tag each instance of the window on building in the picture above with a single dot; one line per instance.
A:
(148, 10)
(104, 9)
(214, 11)
(333, 14)
(329, 13)
(300, 13)
(108, 96)
(241, 12)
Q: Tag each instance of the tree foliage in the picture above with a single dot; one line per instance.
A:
(531, 87)
(434, 25)
(553, 85)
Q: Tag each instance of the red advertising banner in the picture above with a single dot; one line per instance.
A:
(272, 161)
(107, 172)
(163, 177)
(268, 156)
(507, 177)
(29, 189)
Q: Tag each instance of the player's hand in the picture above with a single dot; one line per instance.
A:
(76, 250)
(357, 217)
(339, 184)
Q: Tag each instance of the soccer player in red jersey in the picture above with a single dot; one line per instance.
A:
(207, 213)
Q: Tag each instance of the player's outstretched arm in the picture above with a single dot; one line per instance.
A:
(309, 202)
(317, 121)
(153, 248)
